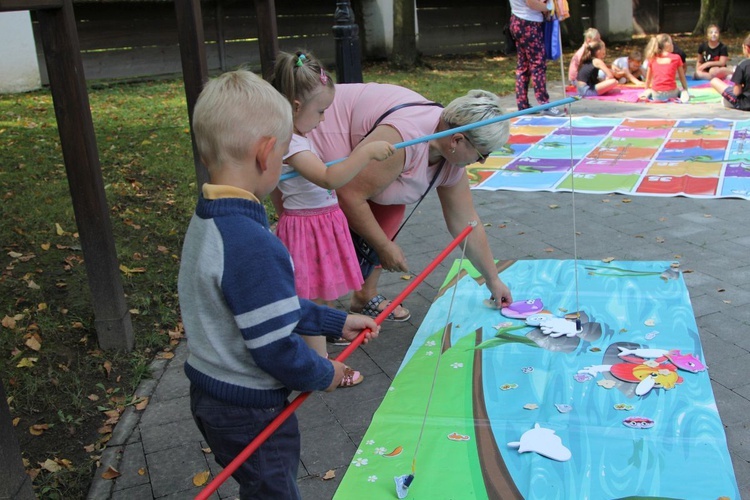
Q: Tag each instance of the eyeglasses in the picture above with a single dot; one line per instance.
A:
(482, 156)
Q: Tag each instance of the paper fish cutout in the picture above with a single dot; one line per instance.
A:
(521, 309)
(638, 422)
(544, 442)
(686, 362)
(553, 326)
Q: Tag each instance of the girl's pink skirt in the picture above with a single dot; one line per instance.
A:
(325, 265)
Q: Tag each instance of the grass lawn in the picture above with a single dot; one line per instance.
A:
(65, 394)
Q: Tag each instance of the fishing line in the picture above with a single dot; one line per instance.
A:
(403, 482)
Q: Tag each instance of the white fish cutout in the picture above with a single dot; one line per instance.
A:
(642, 352)
(544, 442)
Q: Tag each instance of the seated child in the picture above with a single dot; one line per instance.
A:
(737, 96)
(242, 316)
(590, 35)
(712, 57)
(592, 62)
(630, 68)
(663, 67)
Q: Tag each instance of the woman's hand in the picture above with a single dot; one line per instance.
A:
(392, 258)
(501, 293)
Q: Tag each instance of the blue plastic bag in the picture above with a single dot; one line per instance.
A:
(552, 39)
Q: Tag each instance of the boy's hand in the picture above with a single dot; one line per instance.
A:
(338, 375)
(379, 150)
(355, 323)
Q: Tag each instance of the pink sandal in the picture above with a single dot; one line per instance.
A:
(351, 378)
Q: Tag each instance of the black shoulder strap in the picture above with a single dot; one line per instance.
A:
(396, 108)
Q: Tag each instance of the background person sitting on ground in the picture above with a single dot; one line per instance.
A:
(592, 62)
(663, 67)
(630, 69)
(590, 35)
(242, 316)
(311, 223)
(737, 95)
(374, 201)
(712, 58)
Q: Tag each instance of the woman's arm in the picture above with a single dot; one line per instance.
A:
(458, 211)
(599, 64)
(537, 5)
(372, 180)
(681, 74)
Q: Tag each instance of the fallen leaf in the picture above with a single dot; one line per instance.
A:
(9, 322)
(626, 200)
(659, 239)
(206, 450)
(201, 478)
(530, 406)
(110, 473)
(32, 285)
(727, 301)
(38, 429)
(50, 465)
(142, 471)
(34, 342)
(26, 363)
(165, 355)
(674, 265)
(105, 429)
(65, 463)
(607, 260)
(58, 229)
(721, 290)
(329, 475)
(142, 404)
(14, 255)
(89, 448)
(487, 224)
(107, 367)
(406, 277)
(707, 216)
(45, 246)
(554, 206)
(549, 249)
(15, 421)
(93, 397)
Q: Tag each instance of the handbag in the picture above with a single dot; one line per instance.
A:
(552, 38)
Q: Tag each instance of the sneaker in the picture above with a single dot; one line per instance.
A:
(553, 112)
(729, 97)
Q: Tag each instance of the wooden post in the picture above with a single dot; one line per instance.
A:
(268, 35)
(14, 482)
(194, 66)
(57, 29)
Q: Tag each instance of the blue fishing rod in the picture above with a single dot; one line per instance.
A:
(462, 128)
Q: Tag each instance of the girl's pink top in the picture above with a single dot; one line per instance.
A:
(663, 74)
(355, 109)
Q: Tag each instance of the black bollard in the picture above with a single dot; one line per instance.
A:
(348, 51)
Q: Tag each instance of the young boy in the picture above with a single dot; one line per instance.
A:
(630, 69)
(242, 317)
(737, 95)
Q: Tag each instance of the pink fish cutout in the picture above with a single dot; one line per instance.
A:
(687, 362)
(521, 309)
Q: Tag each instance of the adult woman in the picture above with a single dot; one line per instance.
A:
(527, 29)
(374, 201)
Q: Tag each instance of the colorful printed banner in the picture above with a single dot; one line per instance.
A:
(485, 406)
(700, 158)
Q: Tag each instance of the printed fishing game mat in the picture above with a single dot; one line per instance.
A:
(532, 404)
(700, 158)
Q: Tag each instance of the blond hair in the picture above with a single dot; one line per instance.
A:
(233, 112)
(590, 34)
(475, 106)
(656, 45)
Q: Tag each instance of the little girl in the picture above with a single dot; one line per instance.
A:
(590, 35)
(737, 96)
(311, 223)
(592, 62)
(663, 66)
(712, 57)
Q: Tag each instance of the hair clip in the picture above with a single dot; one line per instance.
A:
(301, 59)
(323, 76)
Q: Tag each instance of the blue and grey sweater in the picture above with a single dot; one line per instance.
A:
(241, 312)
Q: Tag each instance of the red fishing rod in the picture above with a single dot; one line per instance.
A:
(287, 412)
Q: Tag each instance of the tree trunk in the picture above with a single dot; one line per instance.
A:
(404, 53)
(713, 12)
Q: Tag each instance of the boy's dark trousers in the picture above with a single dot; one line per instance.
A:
(270, 472)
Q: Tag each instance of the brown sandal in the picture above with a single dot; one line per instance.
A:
(351, 378)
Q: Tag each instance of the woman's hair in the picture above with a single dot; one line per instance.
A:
(708, 28)
(656, 45)
(590, 34)
(297, 76)
(233, 112)
(475, 106)
(590, 50)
